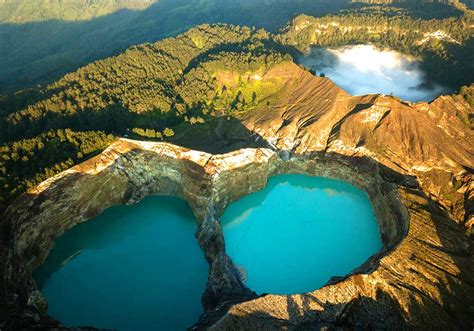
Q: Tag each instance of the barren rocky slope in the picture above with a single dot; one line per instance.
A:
(427, 140)
(414, 160)
(309, 114)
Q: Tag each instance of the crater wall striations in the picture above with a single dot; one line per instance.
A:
(422, 276)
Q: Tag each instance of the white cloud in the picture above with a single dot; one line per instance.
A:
(364, 69)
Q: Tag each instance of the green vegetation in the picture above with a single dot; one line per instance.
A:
(151, 133)
(229, 82)
(467, 92)
(444, 47)
(27, 162)
(44, 47)
(177, 88)
(151, 85)
(153, 91)
(140, 86)
(148, 133)
(21, 11)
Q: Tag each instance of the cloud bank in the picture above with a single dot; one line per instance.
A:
(364, 69)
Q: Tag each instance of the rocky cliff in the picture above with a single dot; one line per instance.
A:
(414, 160)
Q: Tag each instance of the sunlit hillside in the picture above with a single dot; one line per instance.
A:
(43, 40)
(24, 11)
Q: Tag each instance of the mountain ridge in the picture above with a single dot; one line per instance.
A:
(41, 52)
(182, 90)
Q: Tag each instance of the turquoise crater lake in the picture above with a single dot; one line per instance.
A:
(298, 232)
(133, 267)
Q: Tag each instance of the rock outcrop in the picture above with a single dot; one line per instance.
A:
(414, 160)
(427, 140)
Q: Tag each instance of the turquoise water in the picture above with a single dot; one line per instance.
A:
(298, 232)
(132, 268)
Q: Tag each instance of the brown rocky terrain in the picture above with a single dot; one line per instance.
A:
(427, 140)
(414, 160)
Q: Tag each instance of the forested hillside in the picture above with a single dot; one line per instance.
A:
(150, 91)
(23, 11)
(455, 3)
(43, 40)
(160, 90)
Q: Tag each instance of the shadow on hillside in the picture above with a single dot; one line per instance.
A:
(340, 315)
(220, 135)
(217, 135)
(41, 52)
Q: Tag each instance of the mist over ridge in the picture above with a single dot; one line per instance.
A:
(365, 69)
(52, 40)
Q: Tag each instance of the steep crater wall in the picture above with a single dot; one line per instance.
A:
(129, 170)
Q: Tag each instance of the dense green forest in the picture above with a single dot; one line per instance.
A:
(27, 162)
(160, 90)
(43, 40)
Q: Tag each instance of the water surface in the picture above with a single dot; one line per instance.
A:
(298, 232)
(131, 268)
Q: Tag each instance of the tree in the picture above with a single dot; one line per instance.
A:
(168, 132)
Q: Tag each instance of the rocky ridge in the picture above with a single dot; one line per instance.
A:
(414, 160)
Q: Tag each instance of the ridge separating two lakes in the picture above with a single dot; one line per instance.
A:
(140, 265)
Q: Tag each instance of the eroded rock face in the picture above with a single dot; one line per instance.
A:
(414, 160)
(125, 173)
(426, 140)
(422, 277)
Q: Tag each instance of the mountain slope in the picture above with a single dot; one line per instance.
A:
(22, 11)
(145, 91)
(415, 161)
(44, 46)
(218, 88)
(312, 114)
